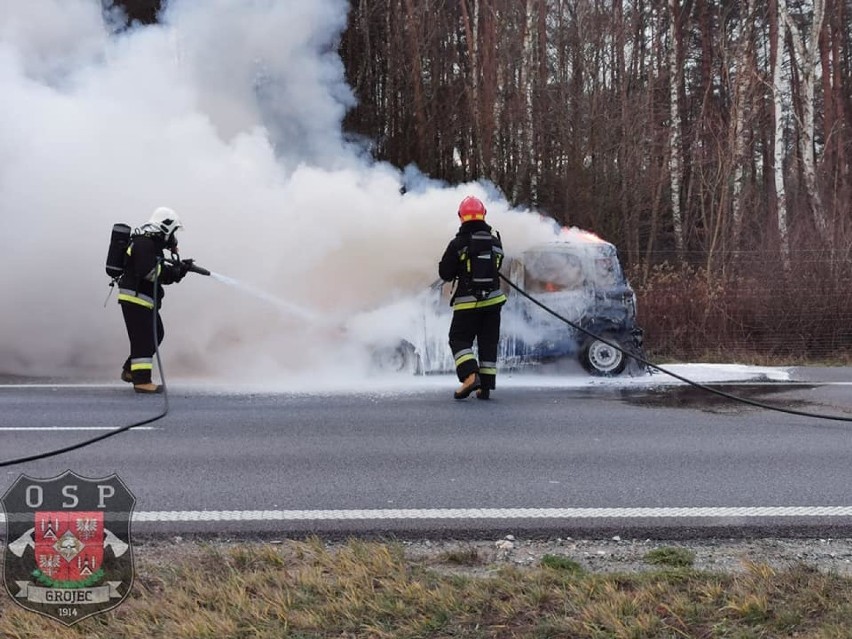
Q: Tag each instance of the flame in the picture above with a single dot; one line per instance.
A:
(581, 235)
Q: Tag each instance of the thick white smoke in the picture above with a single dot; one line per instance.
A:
(229, 112)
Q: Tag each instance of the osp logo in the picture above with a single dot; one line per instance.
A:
(69, 554)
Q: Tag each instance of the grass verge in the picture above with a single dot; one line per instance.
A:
(370, 589)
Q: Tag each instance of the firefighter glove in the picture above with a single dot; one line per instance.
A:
(172, 272)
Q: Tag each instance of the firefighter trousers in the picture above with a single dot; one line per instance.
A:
(139, 322)
(482, 325)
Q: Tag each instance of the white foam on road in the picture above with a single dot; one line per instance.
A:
(406, 514)
(405, 383)
(402, 382)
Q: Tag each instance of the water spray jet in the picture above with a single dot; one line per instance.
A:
(283, 305)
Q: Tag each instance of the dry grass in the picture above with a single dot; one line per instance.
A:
(671, 556)
(361, 589)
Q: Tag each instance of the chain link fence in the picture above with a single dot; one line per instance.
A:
(754, 310)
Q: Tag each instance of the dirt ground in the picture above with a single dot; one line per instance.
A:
(594, 555)
(628, 555)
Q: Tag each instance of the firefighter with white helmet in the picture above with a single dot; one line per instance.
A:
(473, 259)
(140, 293)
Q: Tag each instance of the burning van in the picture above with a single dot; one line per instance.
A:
(578, 276)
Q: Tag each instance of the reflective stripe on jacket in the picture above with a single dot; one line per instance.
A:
(126, 295)
(467, 302)
(144, 265)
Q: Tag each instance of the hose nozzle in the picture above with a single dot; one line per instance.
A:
(192, 267)
(187, 266)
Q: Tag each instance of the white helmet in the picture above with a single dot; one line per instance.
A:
(165, 220)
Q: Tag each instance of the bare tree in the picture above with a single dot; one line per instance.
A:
(527, 79)
(660, 124)
(780, 91)
(676, 152)
(742, 97)
(472, 85)
(804, 51)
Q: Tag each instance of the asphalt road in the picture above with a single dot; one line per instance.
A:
(551, 460)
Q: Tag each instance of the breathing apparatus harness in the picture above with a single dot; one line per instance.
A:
(481, 261)
(641, 360)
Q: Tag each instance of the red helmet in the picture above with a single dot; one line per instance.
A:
(471, 208)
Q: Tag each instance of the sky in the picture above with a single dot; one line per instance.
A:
(230, 113)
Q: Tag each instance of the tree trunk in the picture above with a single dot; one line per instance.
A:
(742, 96)
(779, 92)
(528, 67)
(472, 84)
(806, 52)
(675, 149)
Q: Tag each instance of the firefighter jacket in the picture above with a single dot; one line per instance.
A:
(455, 265)
(144, 265)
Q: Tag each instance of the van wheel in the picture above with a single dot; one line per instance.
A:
(402, 358)
(601, 359)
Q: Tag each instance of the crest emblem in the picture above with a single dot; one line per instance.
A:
(68, 552)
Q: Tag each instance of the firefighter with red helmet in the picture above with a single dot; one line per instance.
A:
(473, 259)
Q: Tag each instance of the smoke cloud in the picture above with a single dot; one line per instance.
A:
(230, 113)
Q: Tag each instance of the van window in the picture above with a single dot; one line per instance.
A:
(607, 272)
(553, 271)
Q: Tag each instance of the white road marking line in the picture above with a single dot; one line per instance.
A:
(54, 428)
(43, 386)
(487, 513)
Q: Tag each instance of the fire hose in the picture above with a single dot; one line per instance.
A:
(190, 267)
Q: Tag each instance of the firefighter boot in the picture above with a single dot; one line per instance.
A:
(470, 384)
(483, 393)
(126, 376)
(149, 389)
